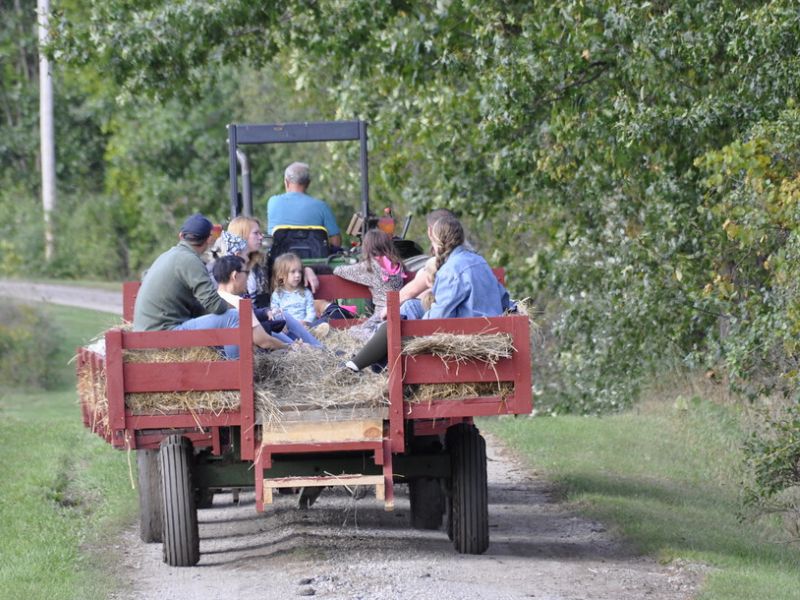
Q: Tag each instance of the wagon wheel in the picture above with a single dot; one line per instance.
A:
(449, 516)
(180, 534)
(427, 503)
(149, 495)
(470, 504)
(204, 498)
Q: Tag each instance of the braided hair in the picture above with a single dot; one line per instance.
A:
(447, 234)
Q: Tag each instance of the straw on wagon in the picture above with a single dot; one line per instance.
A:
(311, 379)
(306, 378)
(188, 401)
(92, 395)
(460, 349)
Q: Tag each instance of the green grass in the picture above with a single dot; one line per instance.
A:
(669, 481)
(64, 491)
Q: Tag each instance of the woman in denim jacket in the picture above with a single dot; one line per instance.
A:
(464, 286)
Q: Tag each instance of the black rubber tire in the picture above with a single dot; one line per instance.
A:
(427, 503)
(470, 501)
(449, 516)
(180, 532)
(204, 498)
(149, 496)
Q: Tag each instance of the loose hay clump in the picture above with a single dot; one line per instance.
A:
(304, 378)
(165, 355)
(92, 396)
(192, 402)
(425, 393)
(488, 348)
(460, 348)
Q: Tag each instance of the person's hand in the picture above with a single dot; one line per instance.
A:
(312, 281)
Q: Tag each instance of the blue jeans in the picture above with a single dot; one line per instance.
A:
(227, 320)
(295, 331)
(412, 309)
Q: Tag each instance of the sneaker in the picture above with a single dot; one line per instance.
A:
(321, 330)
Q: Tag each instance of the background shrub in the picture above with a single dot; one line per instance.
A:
(28, 346)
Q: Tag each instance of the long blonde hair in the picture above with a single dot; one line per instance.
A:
(242, 226)
(447, 234)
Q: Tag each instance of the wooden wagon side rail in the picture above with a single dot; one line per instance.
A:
(147, 377)
(405, 370)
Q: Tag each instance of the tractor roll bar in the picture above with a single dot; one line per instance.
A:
(289, 133)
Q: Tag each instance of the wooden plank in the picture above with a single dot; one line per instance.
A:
(295, 415)
(134, 340)
(425, 368)
(396, 372)
(247, 395)
(182, 420)
(129, 291)
(523, 386)
(178, 377)
(468, 407)
(114, 380)
(323, 481)
(332, 287)
(325, 432)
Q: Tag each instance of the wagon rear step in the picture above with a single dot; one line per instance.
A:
(328, 437)
(344, 480)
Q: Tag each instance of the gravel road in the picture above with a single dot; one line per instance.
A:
(82, 297)
(343, 548)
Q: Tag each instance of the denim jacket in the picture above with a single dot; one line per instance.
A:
(465, 286)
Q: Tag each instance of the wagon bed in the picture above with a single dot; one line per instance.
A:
(433, 446)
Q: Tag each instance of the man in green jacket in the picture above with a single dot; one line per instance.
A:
(178, 293)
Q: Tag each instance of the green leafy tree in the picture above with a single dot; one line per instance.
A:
(577, 139)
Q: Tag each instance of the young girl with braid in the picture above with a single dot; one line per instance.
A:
(464, 286)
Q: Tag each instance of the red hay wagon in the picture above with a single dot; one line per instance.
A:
(184, 457)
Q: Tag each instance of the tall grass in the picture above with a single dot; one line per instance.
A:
(63, 490)
(667, 477)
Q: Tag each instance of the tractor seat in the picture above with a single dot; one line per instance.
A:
(306, 242)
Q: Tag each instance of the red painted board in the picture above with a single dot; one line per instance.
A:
(425, 368)
(179, 339)
(176, 377)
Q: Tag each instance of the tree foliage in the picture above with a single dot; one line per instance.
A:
(633, 164)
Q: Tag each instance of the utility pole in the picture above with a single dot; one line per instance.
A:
(46, 131)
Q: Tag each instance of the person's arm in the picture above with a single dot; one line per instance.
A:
(415, 287)
(311, 313)
(312, 281)
(356, 273)
(449, 293)
(198, 280)
(275, 302)
(329, 221)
